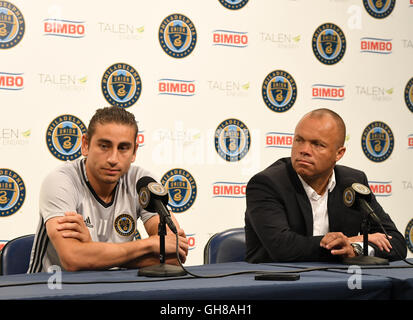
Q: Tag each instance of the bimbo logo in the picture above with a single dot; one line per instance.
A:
(229, 189)
(230, 38)
(279, 140)
(11, 81)
(381, 188)
(327, 92)
(410, 141)
(64, 28)
(176, 87)
(191, 241)
(376, 45)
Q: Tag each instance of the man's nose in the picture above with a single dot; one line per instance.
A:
(113, 156)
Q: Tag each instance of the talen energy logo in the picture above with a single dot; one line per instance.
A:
(327, 92)
(229, 38)
(176, 87)
(12, 25)
(64, 28)
(223, 189)
(12, 192)
(11, 81)
(376, 45)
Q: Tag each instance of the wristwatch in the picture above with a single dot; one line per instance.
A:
(358, 249)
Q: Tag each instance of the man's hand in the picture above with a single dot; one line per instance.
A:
(338, 244)
(73, 226)
(378, 239)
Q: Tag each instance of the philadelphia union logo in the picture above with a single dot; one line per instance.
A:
(377, 141)
(279, 91)
(124, 225)
(329, 43)
(181, 188)
(177, 35)
(408, 94)
(121, 85)
(12, 192)
(64, 137)
(233, 4)
(12, 25)
(408, 234)
(379, 8)
(232, 140)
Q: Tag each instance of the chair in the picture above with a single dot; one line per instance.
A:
(225, 246)
(15, 255)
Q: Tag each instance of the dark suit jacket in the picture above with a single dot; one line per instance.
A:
(279, 219)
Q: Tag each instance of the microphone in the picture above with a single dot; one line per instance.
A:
(359, 194)
(154, 197)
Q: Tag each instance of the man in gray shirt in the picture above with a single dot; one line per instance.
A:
(89, 207)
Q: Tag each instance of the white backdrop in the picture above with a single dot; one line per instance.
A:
(52, 72)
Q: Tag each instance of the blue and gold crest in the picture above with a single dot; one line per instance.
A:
(329, 43)
(64, 137)
(377, 141)
(12, 25)
(232, 140)
(121, 85)
(124, 225)
(233, 4)
(177, 35)
(181, 188)
(12, 192)
(279, 91)
(379, 8)
(408, 94)
(408, 235)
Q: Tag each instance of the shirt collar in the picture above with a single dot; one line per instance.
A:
(311, 194)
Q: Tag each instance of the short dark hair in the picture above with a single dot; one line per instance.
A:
(109, 115)
(339, 121)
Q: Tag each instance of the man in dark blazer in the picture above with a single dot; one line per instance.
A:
(295, 209)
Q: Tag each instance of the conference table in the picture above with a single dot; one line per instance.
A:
(317, 281)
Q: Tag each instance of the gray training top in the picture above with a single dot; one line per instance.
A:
(67, 189)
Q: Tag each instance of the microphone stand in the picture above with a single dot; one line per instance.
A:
(162, 269)
(365, 259)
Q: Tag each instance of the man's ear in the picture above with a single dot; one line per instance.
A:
(85, 145)
(340, 153)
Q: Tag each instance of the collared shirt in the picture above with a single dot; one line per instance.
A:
(319, 205)
(320, 209)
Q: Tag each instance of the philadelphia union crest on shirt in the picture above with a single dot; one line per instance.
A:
(408, 94)
(379, 8)
(329, 43)
(12, 25)
(12, 192)
(121, 85)
(232, 140)
(181, 188)
(279, 91)
(64, 137)
(377, 141)
(124, 225)
(177, 35)
(233, 4)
